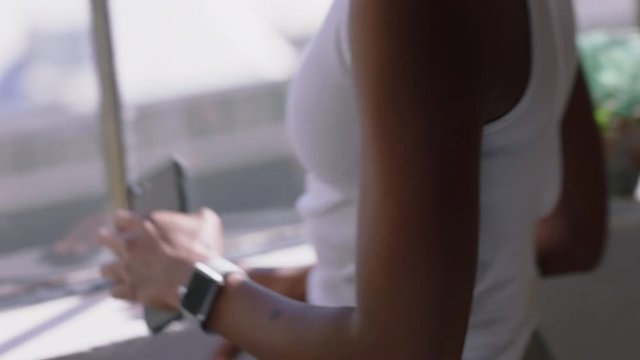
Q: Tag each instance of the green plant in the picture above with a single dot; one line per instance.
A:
(611, 62)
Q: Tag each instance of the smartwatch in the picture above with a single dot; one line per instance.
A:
(198, 297)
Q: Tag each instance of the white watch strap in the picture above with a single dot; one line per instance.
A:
(223, 266)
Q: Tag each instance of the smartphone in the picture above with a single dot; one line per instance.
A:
(163, 188)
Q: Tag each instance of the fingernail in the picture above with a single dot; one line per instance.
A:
(122, 213)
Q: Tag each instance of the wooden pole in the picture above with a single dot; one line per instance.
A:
(110, 109)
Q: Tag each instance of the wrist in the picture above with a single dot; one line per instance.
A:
(201, 294)
(234, 279)
(287, 281)
(234, 283)
(223, 266)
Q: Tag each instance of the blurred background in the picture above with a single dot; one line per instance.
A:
(206, 80)
(203, 80)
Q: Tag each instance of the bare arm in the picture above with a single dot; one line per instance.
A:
(288, 281)
(572, 237)
(422, 69)
(418, 229)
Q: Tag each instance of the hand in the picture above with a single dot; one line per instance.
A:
(80, 239)
(155, 254)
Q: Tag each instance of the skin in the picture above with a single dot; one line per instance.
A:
(572, 238)
(290, 282)
(157, 253)
(418, 225)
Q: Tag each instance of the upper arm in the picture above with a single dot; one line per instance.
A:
(420, 70)
(422, 112)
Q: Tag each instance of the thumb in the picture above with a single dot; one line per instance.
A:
(226, 351)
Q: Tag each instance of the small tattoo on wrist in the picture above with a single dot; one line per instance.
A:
(275, 314)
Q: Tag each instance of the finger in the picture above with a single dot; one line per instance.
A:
(115, 272)
(149, 230)
(122, 291)
(206, 212)
(166, 216)
(112, 241)
(125, 220)
(213, 226)
(162, 222)
(226, 351)
(162, 218)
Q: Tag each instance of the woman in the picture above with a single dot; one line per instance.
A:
(436, 136)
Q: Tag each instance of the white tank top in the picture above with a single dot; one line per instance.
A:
(520, 176)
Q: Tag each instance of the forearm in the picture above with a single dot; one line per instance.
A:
(271, 326)
(419, 196)
(572, 237)
(554, 248)
(288, 281)
(568, 243)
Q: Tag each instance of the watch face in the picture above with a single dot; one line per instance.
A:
(201, 291)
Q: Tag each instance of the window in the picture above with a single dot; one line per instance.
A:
(204, 80)
(50, 159)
